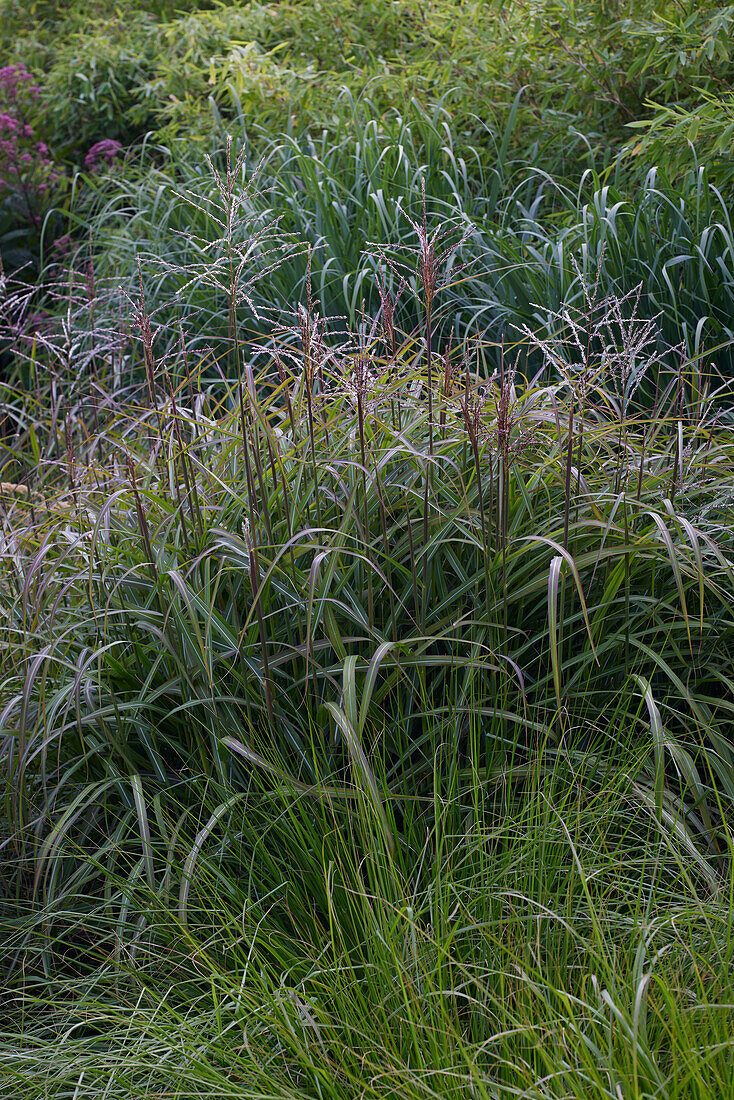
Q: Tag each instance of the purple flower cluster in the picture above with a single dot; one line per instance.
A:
(15, 78)
(26, 167)
(102, 154)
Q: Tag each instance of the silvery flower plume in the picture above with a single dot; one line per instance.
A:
(248, 246)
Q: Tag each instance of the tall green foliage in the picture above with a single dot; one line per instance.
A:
(586, 70)
(373, 711)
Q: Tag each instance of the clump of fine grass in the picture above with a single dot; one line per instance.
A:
(545, 936)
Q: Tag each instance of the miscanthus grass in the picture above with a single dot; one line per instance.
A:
(367, 710)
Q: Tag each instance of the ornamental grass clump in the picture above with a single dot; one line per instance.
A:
(376, 714)
(505, 579)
